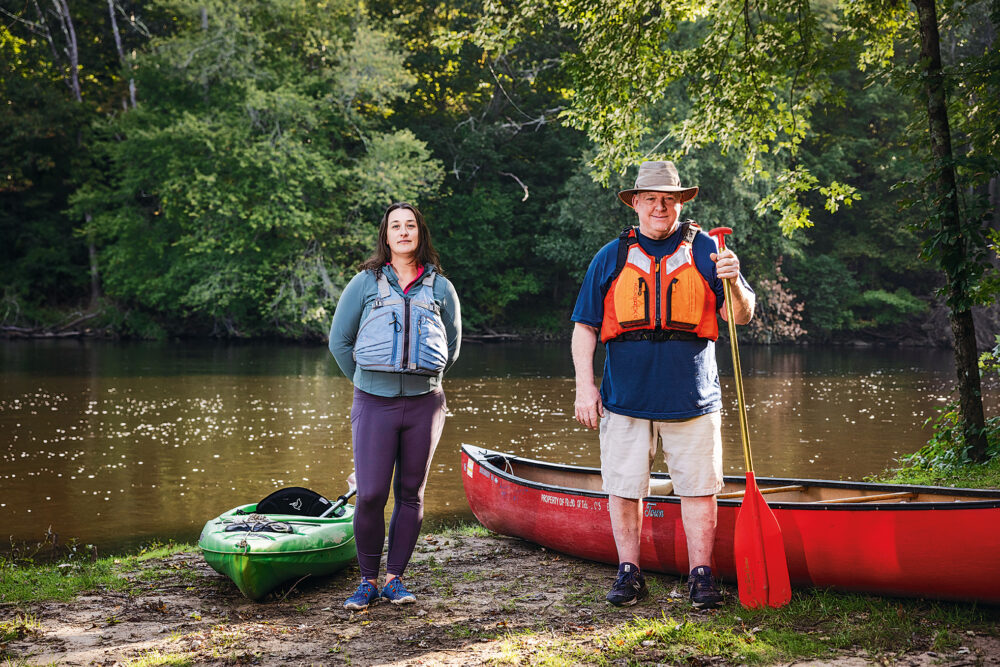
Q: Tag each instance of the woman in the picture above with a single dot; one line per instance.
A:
(396, 330)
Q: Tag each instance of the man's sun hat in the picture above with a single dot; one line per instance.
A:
(658, 177)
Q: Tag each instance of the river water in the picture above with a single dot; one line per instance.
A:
(117, 444)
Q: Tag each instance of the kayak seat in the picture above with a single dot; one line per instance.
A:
(294, 500)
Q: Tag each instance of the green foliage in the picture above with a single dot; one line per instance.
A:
(238, 196)
(947, 449)
(971, 476)
(41, 261)
(490, 121)
(154, 658)
(745, 73)
(827, 288)
(879, 308)
(237, 192)
(587, 217)
(861, 137)
(464, 530)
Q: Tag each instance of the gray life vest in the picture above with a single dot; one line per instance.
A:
(403, 334)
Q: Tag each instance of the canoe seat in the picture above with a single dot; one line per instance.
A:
(660, 487)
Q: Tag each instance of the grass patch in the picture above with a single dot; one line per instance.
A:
(441, 579)
(585, 594)
(559, 654)
(529, 646)
(972, 476)
(19, 627)
(464, 530)
(815, 625)
(674, 641)
(24, 582)
(15, 662)
(661, 586)
(154, 658)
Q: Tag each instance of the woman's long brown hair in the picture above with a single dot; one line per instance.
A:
(426, 254)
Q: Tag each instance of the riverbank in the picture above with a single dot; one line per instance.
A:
(483, 599)
(930, 330)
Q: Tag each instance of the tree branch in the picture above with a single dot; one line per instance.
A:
(519, 182)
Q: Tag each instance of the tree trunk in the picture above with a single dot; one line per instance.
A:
(994, 194)
(95, 276)
(72, 51)
(962, 326)
(121, 51)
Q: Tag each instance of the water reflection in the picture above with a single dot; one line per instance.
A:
(120, 443)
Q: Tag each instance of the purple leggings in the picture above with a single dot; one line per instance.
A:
(401, 433)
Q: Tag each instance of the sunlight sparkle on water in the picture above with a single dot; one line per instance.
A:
(151, 453)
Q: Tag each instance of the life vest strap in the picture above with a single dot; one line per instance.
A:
(690, 230)
(629, 237)
(656, 335)
(385, 290)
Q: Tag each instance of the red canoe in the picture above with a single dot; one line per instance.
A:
(913, 541)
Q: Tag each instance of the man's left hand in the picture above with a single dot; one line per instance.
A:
(727, 264)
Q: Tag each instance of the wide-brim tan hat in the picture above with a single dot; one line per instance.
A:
(658, 177)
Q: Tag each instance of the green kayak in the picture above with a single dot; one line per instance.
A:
(260, 552)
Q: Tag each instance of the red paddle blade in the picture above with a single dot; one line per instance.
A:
(761, 568)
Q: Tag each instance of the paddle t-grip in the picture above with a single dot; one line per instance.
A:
(720, 236)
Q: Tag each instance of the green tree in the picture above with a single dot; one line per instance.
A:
(60, 71)
(244, 187)
(41, 262)
(490, 120)
(957, 238)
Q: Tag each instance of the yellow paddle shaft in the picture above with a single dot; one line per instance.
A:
(738, 374)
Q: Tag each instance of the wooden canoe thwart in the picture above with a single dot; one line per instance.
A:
(897, 540)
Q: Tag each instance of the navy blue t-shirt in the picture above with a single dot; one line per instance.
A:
(674, 379)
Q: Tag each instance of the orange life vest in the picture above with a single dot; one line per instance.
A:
(666, 300)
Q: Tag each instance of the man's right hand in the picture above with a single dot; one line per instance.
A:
(588, 406)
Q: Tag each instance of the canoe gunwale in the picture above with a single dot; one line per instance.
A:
(483, 456)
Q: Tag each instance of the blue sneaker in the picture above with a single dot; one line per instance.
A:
(629, 588)
(366, 594)
(704, 593)
(396, 593)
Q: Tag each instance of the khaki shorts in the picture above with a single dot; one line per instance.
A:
(692, 450)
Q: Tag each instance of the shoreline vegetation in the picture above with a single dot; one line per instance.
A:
(489, 336)
(483, 599)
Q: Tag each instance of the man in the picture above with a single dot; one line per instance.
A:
(652, 296)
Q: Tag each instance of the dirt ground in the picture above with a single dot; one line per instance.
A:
(482, 600)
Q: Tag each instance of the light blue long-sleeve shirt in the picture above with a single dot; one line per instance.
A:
(354, 306)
